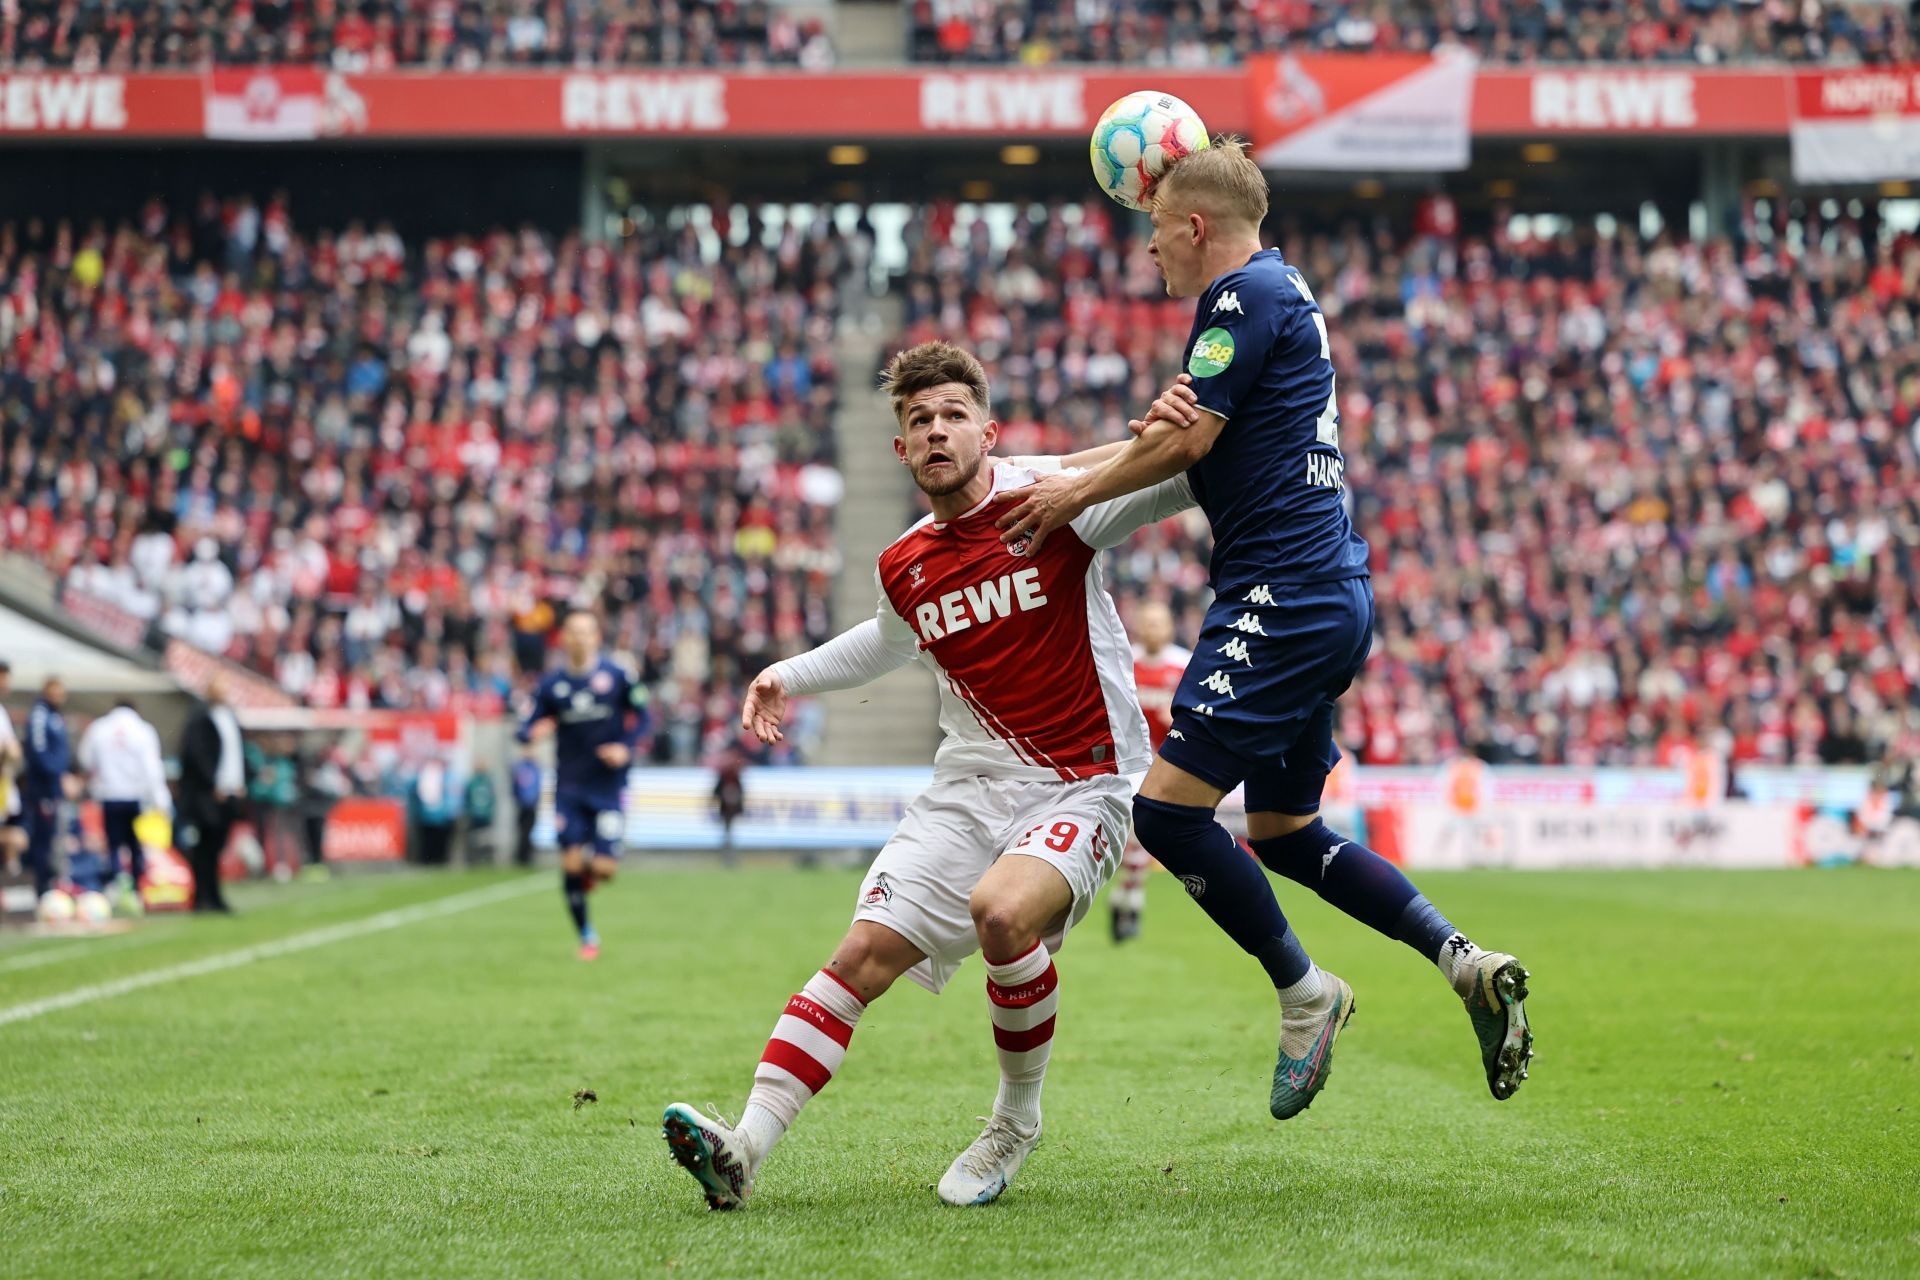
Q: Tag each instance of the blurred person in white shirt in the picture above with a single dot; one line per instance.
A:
(120, 755)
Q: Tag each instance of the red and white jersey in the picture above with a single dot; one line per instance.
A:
(1156, 678)
(1035, 670)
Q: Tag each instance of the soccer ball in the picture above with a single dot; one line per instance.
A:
(56, 907)
(1137, 138)
(93, 908)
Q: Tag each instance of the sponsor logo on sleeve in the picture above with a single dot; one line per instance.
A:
(1212, 353)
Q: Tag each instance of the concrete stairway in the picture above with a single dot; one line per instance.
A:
(869, 33)
(893, 720)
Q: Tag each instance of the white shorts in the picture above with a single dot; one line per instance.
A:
(919, 884)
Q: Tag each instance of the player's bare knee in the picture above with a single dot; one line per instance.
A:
(1004, 928)
(604, 869)
(868, 964)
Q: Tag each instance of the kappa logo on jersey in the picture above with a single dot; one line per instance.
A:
(1220, 682)
(1236, 649)
(1212, 353)
(1249, 624)
(917, 575)
(1259, 595)
(1228, 301)
(1002, 597)
(881, 893)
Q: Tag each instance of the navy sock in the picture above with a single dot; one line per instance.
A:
(575, 885)
(1358, 881)
(1228, 885)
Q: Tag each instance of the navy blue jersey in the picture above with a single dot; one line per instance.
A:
(49, 754)
(1273, 483)
(590, 709)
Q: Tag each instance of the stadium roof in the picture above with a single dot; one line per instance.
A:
(38, 652)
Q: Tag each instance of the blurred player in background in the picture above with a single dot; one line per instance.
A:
(47, 780)
(13, 834)
(596, 710)
(1028, 809)
(1158, 664)
(1255, 423)
(120, 754)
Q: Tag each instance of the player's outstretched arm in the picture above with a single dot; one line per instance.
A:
(1163, 449)
(857, 656)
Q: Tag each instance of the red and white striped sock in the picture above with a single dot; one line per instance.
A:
(808, 1044)
(1131, 893)
(1024, 993)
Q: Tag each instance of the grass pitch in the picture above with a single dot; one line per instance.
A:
(1726, 1085)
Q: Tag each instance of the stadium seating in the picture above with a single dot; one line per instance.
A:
(1201, 33)
(133, 35)
(376, 470)
(1625, 494)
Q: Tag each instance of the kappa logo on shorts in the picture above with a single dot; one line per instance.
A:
(1196, 886)
(881, 893)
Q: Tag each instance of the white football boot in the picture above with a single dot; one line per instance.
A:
(985, 1169)
(712, 1153)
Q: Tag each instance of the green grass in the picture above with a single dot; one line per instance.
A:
(1726, 1085)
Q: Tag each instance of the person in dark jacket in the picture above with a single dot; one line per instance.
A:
(46, 780)
(213, 782)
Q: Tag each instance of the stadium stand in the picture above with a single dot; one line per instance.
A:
(374, 35)
(1202, 33)
(1625, 492)
(378, 471)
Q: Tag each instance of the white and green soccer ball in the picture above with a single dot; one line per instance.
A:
(56, 907)
(92, 908)
(1137, 138)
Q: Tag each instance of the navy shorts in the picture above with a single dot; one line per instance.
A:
(580, 820)
(1256, 703)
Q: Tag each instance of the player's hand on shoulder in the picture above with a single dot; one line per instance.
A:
(1049, 503)
(1178, 404)
(765, 706)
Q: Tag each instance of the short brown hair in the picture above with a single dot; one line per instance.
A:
(1222, 180)
(928, 365)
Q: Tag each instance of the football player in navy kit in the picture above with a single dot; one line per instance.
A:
(596, 710)
(1255, 423)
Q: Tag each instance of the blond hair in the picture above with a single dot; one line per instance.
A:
(928, 365)
(1221, 180)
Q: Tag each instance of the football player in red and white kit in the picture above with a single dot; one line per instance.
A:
(1158, 664)
(1032, 790)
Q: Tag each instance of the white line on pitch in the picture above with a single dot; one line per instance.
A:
(268, 950)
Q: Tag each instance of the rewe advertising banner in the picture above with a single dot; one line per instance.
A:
(1346, 112)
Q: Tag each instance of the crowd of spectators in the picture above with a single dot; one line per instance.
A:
(1626, 495)
(378, 35)
(378, 472)
(1204, 33)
